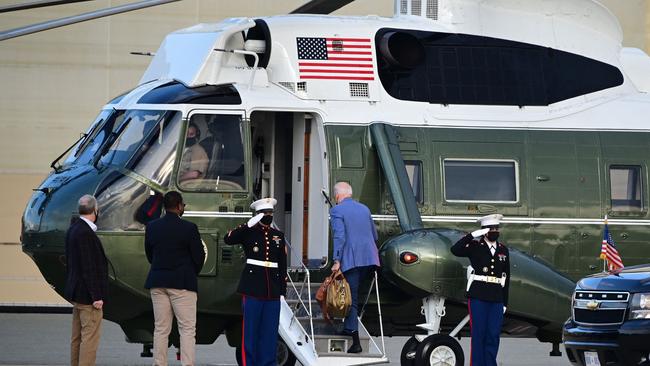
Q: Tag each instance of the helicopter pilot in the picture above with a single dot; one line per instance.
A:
(487, 287)
(262, 282)
(194, 163)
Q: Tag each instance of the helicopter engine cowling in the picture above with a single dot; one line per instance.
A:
(535, 288)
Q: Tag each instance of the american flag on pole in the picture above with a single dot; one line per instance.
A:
(335, 58)
(609, 252)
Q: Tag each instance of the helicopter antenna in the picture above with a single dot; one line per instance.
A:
(56, 23)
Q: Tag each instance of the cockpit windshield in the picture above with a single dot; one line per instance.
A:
(95, 137)
(130, 135)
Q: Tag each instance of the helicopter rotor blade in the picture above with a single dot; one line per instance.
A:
(37, 4)
(56, 23)
(321, 6)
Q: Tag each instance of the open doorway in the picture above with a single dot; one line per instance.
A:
(289, 164)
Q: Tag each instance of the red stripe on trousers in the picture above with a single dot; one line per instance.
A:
(243, 330)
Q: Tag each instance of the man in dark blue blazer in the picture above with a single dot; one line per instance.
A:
(175, 251)
(355, 250)
(86, 285)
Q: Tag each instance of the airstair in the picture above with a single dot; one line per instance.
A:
(315, 341)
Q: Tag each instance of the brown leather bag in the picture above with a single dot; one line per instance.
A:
(334, 296)
(321, 295)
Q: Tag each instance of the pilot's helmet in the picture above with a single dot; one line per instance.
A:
(264, 205)
(490, 221)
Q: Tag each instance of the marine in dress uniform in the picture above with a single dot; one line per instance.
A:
(262, 283)
(487, 287)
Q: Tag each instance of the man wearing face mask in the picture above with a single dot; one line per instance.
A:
(174, 248)
(86, 283)
(487, 287)
(262, 283)
(194, 162)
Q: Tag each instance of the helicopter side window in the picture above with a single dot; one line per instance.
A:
(481, 180)
(626, 188)
(213, 155)
(414, 172)
(139, 124)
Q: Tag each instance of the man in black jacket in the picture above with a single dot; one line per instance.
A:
(262, 283)
(175, 251)
(487, 287)
(86, 284)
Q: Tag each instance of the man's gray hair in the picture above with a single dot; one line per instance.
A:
(342, 188)
(87, 204)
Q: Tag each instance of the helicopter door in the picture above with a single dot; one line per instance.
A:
(211, 175)
(295, 174)
(308, 180)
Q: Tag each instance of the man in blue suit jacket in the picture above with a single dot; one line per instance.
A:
(355, 250)
(175, 251)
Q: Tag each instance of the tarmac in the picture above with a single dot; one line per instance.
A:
(43, 339)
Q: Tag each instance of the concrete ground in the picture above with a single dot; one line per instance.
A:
(43, 339)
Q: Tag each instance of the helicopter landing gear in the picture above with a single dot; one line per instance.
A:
(434, 349)
(284, 356)
(439, 350)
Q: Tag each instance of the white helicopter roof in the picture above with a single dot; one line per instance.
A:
(194, 56)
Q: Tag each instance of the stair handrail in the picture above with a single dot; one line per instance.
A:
(307, 307)
(375, 284)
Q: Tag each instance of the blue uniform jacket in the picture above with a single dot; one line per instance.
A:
(354, 235)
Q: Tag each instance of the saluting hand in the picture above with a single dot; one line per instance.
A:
(99, 304)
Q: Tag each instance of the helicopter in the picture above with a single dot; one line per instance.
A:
(448, 111)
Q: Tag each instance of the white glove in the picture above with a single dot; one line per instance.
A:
(504, 309)
(480, 232)
(255, 219)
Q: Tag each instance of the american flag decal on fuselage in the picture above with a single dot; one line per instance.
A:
(335, 58)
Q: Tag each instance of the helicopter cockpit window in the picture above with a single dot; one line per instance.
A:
(99, 130)
(130, 135)
(155, 158)
(480, 181)
(213, 154)
(126, 204)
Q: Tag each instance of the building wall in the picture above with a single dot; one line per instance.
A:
(54, 82)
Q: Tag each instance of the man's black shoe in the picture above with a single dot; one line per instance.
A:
(355, 348)
(356, 344)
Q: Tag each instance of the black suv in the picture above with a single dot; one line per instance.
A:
(610, 319)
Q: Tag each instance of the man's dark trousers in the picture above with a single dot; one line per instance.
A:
(354, 277)
(486, 318)
(261, 321)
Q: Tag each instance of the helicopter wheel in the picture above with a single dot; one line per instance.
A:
(285, 357)
(439, 350)
(407, 357)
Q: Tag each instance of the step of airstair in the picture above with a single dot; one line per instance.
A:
(316, 341)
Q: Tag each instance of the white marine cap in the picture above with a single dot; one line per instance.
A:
(264, 204)
(490, 220)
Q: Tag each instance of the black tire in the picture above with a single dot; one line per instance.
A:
(439, 350)
(238, 356)
(285, 356)
(409, 350)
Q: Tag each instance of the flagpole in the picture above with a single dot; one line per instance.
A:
(604, 257)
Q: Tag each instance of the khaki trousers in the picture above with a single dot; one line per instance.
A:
(167, 303)
(86, 330)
